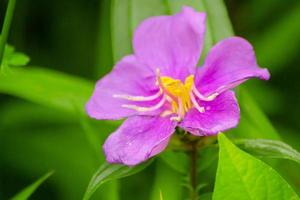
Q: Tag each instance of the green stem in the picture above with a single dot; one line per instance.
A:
(193, 171)
(6, 27)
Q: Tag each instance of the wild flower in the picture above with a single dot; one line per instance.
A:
(159, 87)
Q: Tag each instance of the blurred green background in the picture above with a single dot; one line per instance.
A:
(74, 37)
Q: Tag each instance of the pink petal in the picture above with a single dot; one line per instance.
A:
(138, 139)
(228, 64)
(128, 77)
(171, 43)
(220, 114)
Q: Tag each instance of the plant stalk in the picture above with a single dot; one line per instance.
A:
(193, 171)
(6, 27)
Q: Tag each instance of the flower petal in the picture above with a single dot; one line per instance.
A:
(137, 139)
(128, 77)
(171, 43)
(228, 64)
(220, 114)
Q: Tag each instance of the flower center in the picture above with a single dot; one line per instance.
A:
(178, 96)
(178, 93)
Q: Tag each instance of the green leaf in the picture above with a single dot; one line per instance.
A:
(241, 176)
(218, 19)
(27, 192)
(45, 145)
(11, 58)
(91, 133)
(141, 10)
(125, 17)
(168, 182)
(206, 196)
(269, 148)
(47, 87)
(284, 34)
(120, 28)
(207, 157)
(104, 58)
(175, 6)
(52, 89)
(18, 59)
(109, 172)
(254, 123)
(179, 161)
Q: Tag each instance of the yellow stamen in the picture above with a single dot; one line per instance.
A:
(179, 93)
(179, 97)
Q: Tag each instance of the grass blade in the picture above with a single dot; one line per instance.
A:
(28, 191)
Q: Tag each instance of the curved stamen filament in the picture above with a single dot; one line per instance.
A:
(166, 113)
(203, 98)
(195, 103)
(176, 118)
(179, 96)
(146, 109)
(169, 99)
(139, 98)
(181, 110)
(162, 87)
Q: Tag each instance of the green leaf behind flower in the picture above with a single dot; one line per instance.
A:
(253, 123)
(269, 148)
(284, 34)
(179, 161)
(167, 183)
(109, 172)
(27, 192)
(47, 87)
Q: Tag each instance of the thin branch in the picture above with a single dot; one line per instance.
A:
(193, 171)
(6, 27)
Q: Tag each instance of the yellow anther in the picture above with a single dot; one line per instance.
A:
(179, 96)
(179, 92)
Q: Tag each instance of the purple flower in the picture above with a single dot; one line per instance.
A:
(159, 87)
